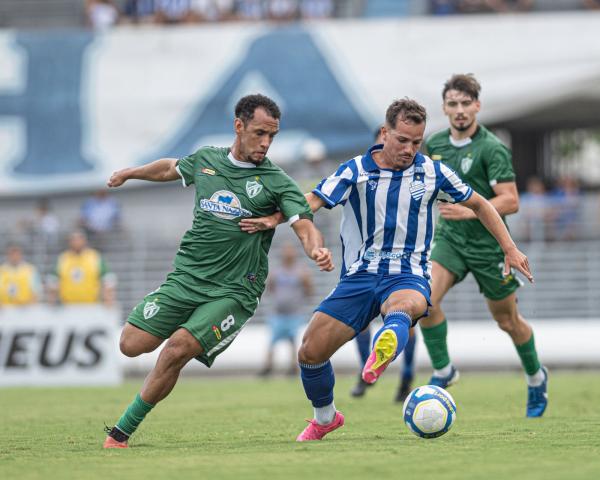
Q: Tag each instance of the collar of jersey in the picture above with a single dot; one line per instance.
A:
(370, 166)
(237, 163)
(465, 141)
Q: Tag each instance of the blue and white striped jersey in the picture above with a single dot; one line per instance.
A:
(387, 222)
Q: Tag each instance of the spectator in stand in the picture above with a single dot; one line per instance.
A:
(100, 214)
(290, 286)
(534, 211)
(566, 202)
(283, 10)
(81, 275)
(173, 11)
(101, 14)
(139, 11)
(506, 6)
(45, 224)
(19, 281)
(316, 9)
(443, 7)
(213, 10)
(251, 10)
(591, 4)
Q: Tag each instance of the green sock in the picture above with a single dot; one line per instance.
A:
(435, 341)
(529, 358)
(133, 416)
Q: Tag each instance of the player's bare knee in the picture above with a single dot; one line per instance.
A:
(129, 346)
(409, 306)
(507, 322)
(309, 354)
(174, 355)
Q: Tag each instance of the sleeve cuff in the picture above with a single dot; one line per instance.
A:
(181, 175)
(467, 195)
(302, 216)
(328, 203)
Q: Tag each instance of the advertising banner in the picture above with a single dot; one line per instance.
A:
(51, 346)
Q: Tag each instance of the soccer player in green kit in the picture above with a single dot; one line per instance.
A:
(220, 271)
(462, 244)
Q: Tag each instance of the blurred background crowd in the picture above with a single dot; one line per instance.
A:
(102, 14)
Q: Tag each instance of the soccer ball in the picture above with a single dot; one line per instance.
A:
(429, 411)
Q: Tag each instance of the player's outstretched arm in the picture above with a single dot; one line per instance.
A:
(490, 218)
(163, 170)
(312, 241)
(253, 225)
(506, 202)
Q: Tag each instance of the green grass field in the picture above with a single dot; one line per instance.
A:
(245, 429)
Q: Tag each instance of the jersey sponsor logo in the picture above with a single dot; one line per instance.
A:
(465, 164)
(224, 204)
(372, 254)
(253, 188)
(417, 190)
(208, 171)
(150, 309)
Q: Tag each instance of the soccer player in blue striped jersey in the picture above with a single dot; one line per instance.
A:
(387, 227)
(363, 343)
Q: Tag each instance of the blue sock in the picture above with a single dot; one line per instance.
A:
(363, 342)
(400, 323)
(318, 381)
(409, 358)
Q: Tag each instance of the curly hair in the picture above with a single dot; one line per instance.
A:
(246, 106)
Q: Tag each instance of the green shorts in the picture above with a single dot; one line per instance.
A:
(213, 322)
(486, 267)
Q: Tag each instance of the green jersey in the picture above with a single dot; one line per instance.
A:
(482, 161)
(215, 251)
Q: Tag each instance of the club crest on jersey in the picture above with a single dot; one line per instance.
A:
(224, 204)
(372, 184)
(253, 188)
(417, 190)
(150, 309)
(465, 164)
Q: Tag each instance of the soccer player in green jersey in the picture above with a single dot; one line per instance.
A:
(462, 244)
(220, 270)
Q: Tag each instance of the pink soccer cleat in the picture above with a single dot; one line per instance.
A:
(383, 353)
(314, 431)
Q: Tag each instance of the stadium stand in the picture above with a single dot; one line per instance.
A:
(567, 273)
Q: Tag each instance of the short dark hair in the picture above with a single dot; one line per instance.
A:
(407, 110)
(246, 106)
(465, 83)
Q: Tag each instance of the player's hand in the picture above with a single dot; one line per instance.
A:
(322, 257)
(516, 259)
(253, 225)
(451, 211)
(117, 178)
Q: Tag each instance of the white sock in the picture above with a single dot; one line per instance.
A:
(325, 415)
(536, 379)
(443, 372)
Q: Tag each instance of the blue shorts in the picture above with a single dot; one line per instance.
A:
(357, 299)
(285, 327)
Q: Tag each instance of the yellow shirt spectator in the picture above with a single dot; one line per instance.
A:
(81, 274)
(19, 284)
